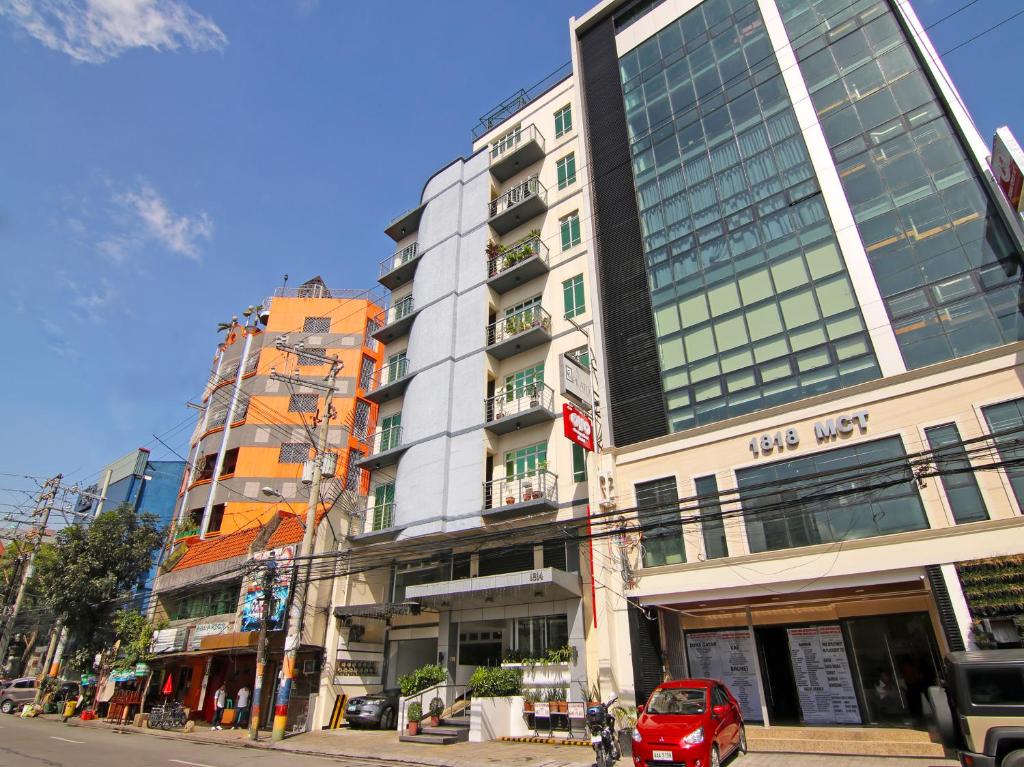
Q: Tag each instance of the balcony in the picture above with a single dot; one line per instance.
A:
(379, 524)
(530, 493)
(511, 410)
(405, 224)
(389, 382)
(395, 321)
(515, 151)
(511, 266)
(519, 331)
(386, 447)
(517, 206)
(398, 268)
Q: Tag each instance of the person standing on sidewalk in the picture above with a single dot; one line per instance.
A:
(219, 699)
(242, 709)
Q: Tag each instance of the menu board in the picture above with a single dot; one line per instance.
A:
(729, 657)
(822, 674)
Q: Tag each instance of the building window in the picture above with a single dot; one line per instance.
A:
(956, 473)
(526, 460)
(383, 506)
(365, 373)
(570, 227)
(372, 326)
(1006, 424)
(313, 355)
(241, 408)
(711, 523)
(294, 452)
(788, 515)
(579, 463)
(230, 462)
(361, 420)
(523, 382)
(657, 505)
(316, 325)
(506, 141)
(566, 170)
(581, 355)
(303, 403)
(533, 637)
(572, 296)
(218, 601)
(563, 121)
(396, 368)
(390, 432)
(354, 476)
(216, 518)
(252, 362)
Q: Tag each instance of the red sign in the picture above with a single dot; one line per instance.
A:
(1008, 167)
(578, 426)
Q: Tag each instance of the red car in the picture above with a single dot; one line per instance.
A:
(689, 723)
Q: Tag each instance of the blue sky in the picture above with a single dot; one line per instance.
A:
(164, 162)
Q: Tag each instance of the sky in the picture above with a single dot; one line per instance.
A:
(164, 163)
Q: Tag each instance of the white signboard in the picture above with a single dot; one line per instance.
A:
(1008, 167)
(207, 630)
(576, 381)
(822, 674)
(169, 640)
(729, 657)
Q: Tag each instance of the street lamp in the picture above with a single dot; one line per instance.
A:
(272, 493)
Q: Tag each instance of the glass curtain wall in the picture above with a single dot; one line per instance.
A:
(941, 256)
(752, 303)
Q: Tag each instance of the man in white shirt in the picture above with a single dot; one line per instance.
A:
(242, 708)
(219, 699)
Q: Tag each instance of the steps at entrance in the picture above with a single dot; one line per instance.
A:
(447, 732)
(847, 741)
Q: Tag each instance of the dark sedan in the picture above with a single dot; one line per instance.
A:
(376, 710)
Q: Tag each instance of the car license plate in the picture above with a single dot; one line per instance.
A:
(353, 706)
(662, 756)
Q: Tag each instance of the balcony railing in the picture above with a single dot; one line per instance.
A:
(502, 259)
(539, 486)
(380, 516)
(394, 313)
(390, 373)
(385, 440)
(509, 404)
(529, 189)
(530, 318)
(395, 260)
(515, 151)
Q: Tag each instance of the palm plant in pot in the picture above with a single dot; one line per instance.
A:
(557, 700)
(413, 716)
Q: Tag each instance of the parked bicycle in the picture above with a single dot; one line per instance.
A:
(167, 716)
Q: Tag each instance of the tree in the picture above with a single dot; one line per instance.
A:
(93, 565)
(135, 635)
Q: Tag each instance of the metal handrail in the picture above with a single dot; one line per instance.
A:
(395, 312)
(509, 256)
(449, 694)
(524, 397)
(395, 260)
(387, 516)
(386, 439)
(518, 322)
(513, 139)
(516, 195)
(388, 374)
(539, 484)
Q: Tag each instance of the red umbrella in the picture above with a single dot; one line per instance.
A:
(168, 687)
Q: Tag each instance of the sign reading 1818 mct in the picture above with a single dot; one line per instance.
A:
(826, 430)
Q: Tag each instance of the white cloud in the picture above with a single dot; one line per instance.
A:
(58, 343)
(145, 217)
(93, 300)
(95, 31)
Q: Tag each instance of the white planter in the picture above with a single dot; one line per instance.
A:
(493, 718)
(544, 675)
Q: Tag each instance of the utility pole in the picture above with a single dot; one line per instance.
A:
(43, 506)
(269, 575)
(294, 634)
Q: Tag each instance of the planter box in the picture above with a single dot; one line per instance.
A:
(544, 675)
(493, 718)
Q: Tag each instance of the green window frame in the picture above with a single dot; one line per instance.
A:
(516, 384)
(579, 463)
(397, 365)
(566, 170)
(581, 355)
(563, 120)
(570, 227)
(526, 460)
(711, 523)
(383, 506)
(572, 296)
(390, 432)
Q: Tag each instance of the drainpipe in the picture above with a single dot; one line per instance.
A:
(219, 465)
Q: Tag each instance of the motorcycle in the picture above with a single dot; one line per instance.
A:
(601, 724)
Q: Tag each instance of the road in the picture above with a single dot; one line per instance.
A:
(48, 743)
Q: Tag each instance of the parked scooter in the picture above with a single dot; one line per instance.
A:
(601, 724)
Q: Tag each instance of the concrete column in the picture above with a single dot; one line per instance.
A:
(959, 602)
(578, 669)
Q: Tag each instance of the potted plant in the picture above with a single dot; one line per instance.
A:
(493, 251)
(413, 715)
(534, 395)
(556, 698)
(625, 721)
(509, 500)
(435, 711)
(529, 698)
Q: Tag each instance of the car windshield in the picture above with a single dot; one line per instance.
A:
(679, 701)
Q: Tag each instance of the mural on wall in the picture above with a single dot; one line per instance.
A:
(252, 599)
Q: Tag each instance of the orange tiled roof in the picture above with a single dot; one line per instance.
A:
(216, 549)
(290, 530)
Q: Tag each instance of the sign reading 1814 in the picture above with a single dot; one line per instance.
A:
(828, 430)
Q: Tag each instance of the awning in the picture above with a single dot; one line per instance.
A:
(380, 611)
(542, 585)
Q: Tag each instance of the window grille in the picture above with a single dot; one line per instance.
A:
(354, 472)
(361, 420)
(366, 373)
(252, 363)
(294, 452)
(303, 403)
(312, 355)
(316, 325)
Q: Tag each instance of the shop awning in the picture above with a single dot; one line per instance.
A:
(380, 611)
(544, 584)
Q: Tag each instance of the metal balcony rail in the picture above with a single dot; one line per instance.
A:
(395, 312)
(510, 141)
(510, 255)
(516, 195)
(383, 440)
(518, 322)
(535, 485)
(388, 374)
(395, 260)
(518, 399)
(316, 290)
(379, 516)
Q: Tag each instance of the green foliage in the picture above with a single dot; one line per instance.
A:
(625, 717)
(415, 712)
(592, 693)
(556, 694)
(422, 678)
(436, 708)
(93, 565)
(135, 634)
(496, 682)
(563, 654)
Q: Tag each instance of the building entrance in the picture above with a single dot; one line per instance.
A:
(777, 674)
